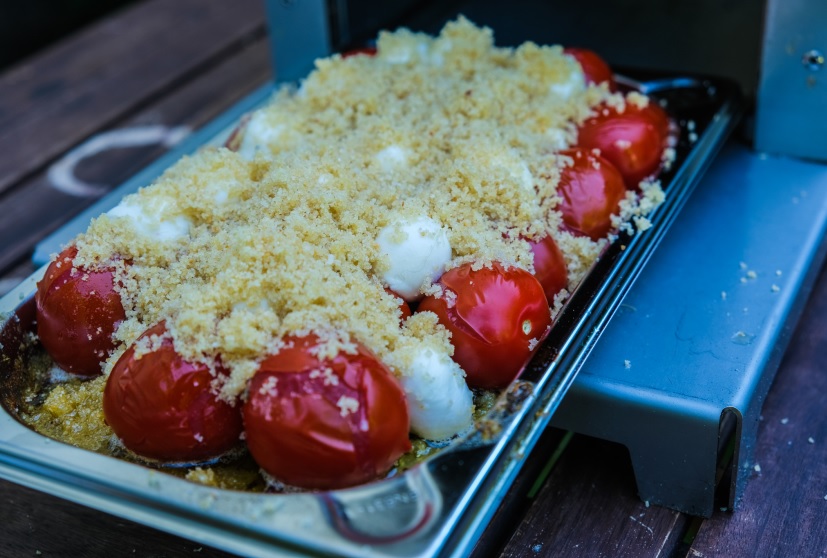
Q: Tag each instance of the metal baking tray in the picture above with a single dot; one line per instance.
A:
(439, 507)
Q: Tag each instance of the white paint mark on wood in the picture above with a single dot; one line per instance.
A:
(62, 173)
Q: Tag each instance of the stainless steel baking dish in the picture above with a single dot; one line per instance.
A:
(440, 506)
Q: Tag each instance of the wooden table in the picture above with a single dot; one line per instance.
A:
(182, 62)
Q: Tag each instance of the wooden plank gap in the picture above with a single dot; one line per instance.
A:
(33, 209)
(205, 67)
(131, 60)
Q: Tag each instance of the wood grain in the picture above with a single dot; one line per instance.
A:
(588, 507)
(50, 103)
(507, 519)
(35, 208)
(37, 524)
(10, 278)
(784, 508)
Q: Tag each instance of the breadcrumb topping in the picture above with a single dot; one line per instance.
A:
(347, 405)
(282, 239)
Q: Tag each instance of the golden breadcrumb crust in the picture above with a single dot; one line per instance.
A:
(284, 241)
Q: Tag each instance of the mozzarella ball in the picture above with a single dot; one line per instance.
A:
(573, 84)
(392, 158)
(439, 401)
(258, 133)
(152, 221)
(417, 251)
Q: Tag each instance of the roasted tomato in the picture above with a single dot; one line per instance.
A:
(633, 141)
(164, 407)
(496, 316)
(594, 67)
(404, 307)
(549, 266)
(591, 188)
(325, 423)
(655, 114)
(77, 313)
(364, 51)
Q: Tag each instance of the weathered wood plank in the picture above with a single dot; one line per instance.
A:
(552, 444)
(37, 524)
(12, 277)
(588, 507)
(35, 208)
(50, 103)
(784, 508)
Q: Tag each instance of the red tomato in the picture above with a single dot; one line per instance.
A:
(549, 266)
(163, 407)
(77, 313)
(496, 317)
(591, 189)
(594, 67)
(404, 308)
(324, 424)
(655, 114)
(364, 51)
(633, 141)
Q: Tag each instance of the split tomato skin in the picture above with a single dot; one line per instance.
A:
(633, 140)
(496, 315)
(591, 189)
(325, 423)
(549, 266)
(77, 313)
(163, 407)
(595, 69)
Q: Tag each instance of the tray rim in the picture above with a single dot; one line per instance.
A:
(466, 513)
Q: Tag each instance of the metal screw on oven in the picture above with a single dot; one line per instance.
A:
(813, 60)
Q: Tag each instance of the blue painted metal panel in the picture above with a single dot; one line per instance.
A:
(299, 34)
(791, 109)
(703, 329)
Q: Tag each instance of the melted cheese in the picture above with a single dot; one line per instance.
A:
(417, 252)
(440, 403)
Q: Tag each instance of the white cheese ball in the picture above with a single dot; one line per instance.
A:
(575, 83)
(258, 133)
(151, 219)
(404, 51)
(392, 158)
(439, 401)
(417, 251)
(509, 165)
